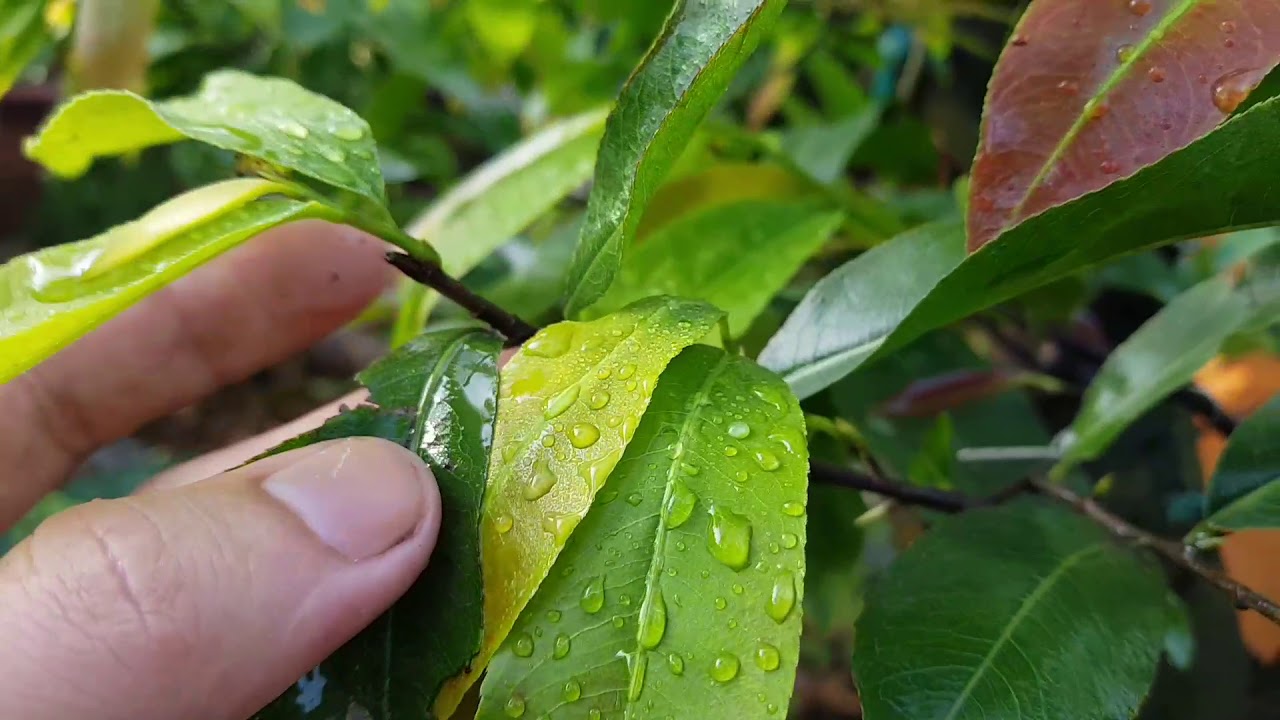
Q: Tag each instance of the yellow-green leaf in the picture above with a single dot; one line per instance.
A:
(569, 403)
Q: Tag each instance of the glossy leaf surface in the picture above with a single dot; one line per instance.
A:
(1243, 493)
(683, 585)
(684, 75)
(1215, 185)
(736, 257)
(269, 119)
(1024, 611)
(500, 199)
(727, 183)
(571, 400)
(1089, 92)
(437, 396)
(52, 297)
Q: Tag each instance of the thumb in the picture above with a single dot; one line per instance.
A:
(209, 599)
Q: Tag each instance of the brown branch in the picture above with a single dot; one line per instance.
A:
(1176, 553)
(516, 331)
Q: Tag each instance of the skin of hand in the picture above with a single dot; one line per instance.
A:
(215, 587)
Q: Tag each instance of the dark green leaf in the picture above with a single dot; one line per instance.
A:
(681, 79)
(1243, 493)
(23, 34)
(736, 257)
(649, 611)
(824, 151)
(1024, 611)
(437, 396)
(270, 119)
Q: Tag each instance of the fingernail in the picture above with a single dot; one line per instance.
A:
(360, 497)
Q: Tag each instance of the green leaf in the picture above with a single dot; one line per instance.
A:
(726, 183)
(682, 587)
(682, 78)
(52, 297)
(846, 317)
(1243, 493)
(571, 400)
(436, 396)
(500, 199)
(23, 34)
(824, 151)
(1016, 612)
(1215, 185)
(1162, 356)
(736, 257)
(269, 119)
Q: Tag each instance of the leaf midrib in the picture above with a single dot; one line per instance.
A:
(1029, 603)
(1122, 71)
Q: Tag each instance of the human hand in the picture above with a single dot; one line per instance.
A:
(212, 590)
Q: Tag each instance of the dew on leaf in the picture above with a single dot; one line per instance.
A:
(1124, 53)
(515, 706)
(594, 714)
(523, 646)
(1109, 167)
(618, 622)
(583, 435)
(593, 596)
(560, 648)
(626, 371)
(739, 430)
(350, 133)
(774, 548)
(738, 589)
(294, 129)
(681, 546)
(1156, 74)
(689, 469)
(725, 667)
(632, 385)
(548, 440)
(730, 451)
(1231, 90)
(782, 597)
(679, 505)
(541, 482)
(721, 603)
(553, 616)
(634, 499)
(653, 620)
(767, 657)
(572, 691)
(560, 526)
(561, 403)
(599, 399)
(551, 342)
(675, 663)
(624, 600)
(767, 460)
(789, 540)
(729, 537)
(637, 664)
(607, 496)
(503, 524)
(794, 509)
(1140, 7)
(741, 476)
(1227, 26)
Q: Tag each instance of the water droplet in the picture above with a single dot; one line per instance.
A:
(705, 574)
(624, 600)
(292, 128)
(594, 714)
(332, 154)
(767, 460)
(730, 451)
(767, 657)
(551, 342)
(1227, 26)
(608, 496)
(561, 646)
(593, 596)
(537, 632)
(560, 525)
(599, 399)
(1070, 87)
(782, 598)
(771, 709)
(548, 440)
(626, 371)
(618, 622)
(1096, 110)
(350, 133)
(1140, 7)
(1156, 74)
(739, 430)
(515, 706)
(523, 646)
(553, 616)
(541, 482)
(729, 537)
(774, 548)
(1109, 167)
(789, 540)
(1231, 90)
(721, 603)
(1124, 53)
(680, 505)
(1020, 41)
(741, 476)
(653, 620)
(689, 469)
(724, 668)
(637, 664)
(583, 435)
(572, 691)
(604, 373)
(634, 499)
(564, 400)
(632, 385)
(675, 663)
(595, 473)
(793, 509)
(503, 524)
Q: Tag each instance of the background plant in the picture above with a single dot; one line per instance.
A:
(804, 391)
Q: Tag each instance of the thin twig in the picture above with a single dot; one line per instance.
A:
(516, 331)
(940, 500)
(1176, 553)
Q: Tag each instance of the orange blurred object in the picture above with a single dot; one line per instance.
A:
(1242, 386)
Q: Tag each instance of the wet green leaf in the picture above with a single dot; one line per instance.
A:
(717, 185)
(270, 119)
(500, 199)
(736, 257)
(684, 75)
(571, 400)
(1016, 612)
(918, 282)
(1243, 493)
(52, 297)
(437, 396)
(683, 585)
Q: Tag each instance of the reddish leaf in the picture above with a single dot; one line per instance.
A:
(1091, 91)
(935, 395)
